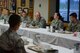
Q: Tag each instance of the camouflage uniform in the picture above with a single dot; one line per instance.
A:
(5, 17)
(26, 21)
(40, 23)
(10, 42)
(74, 27)
(57, 24)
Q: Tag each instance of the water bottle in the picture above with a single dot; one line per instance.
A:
(4, 21)
(51, 28)
(47, 28)
(77, 48)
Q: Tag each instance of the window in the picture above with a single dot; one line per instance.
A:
(66, 7)
(63, 9)
(74, 7)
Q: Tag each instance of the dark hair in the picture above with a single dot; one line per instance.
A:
(60, 17)
(23, 11)
(14, 20)
(74, 15)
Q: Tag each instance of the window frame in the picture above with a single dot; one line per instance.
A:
(68, 4)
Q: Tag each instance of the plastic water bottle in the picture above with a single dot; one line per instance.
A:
(77, 48)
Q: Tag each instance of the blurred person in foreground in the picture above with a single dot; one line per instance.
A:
(10, 41)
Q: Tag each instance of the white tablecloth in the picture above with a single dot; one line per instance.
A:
(64, 40)
(60, 49)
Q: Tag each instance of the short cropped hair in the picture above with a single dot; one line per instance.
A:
(74, 15)
(14, 20)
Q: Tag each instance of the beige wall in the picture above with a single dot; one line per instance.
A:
(43, 9)
(48, 7)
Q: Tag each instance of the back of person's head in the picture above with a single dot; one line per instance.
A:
(73, 14)
(14, 19)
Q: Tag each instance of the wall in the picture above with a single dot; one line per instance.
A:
(19, 3)
(48, 7)
(52, 7)
(43, 9)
